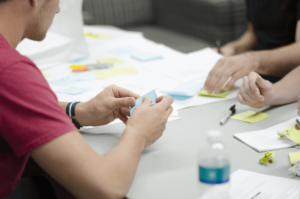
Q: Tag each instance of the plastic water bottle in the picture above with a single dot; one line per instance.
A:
(214, 168)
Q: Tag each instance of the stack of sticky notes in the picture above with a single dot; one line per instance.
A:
(145, 57)
(152, 97)
(250, 116)
(222, 94)
(294, 157)
(186, 89)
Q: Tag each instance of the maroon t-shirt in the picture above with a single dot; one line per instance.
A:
(30, 115)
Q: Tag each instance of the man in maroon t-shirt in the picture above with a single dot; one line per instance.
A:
(34, 124)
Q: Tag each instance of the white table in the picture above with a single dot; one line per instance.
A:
(168, 169)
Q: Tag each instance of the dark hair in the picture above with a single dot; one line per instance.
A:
(1, 1)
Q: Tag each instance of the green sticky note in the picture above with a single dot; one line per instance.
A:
(269, 157)
(294, 157)
(222, 94)
(250, 116)
(111, 60)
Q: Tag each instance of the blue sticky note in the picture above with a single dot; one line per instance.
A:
(63, 81)
(125, 50)
(73, 90)
(76, 77)
(186, 89)
(144, 57)
(152, 97)
(83, 76)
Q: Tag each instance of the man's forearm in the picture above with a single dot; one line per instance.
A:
(287, 90)
(278, 62)
(246, 42)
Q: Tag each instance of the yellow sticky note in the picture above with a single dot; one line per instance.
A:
(95, 35)
(294, 134)
(111, 60)
(222, 94)
(45, 74)
(103, 74)
(294, 157)
(77, 66)
(250, 116)
(123, 71)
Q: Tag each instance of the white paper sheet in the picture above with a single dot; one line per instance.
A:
(251, 185)
(267, 139)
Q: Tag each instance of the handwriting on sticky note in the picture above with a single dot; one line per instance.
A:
(294, 157)
(152, 97)
(111, 60)
(250, 116)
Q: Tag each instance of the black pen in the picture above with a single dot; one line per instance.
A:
(230, 112)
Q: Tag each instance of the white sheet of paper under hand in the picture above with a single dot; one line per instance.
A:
(152, 97)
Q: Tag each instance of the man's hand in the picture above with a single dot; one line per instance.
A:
(235, 67)
(112, 103)
(149, 122)
(255, 91)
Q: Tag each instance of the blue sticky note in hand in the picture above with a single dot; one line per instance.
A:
(152, 97)
(73, 90)
(186, 89)
(144, 57)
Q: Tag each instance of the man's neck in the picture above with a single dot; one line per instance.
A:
(12, 27)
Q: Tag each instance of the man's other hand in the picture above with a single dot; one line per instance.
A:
(149, 122)
(255, 91)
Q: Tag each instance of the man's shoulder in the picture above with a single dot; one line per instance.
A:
(9, 57)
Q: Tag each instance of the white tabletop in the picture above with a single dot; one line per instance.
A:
(168, 168)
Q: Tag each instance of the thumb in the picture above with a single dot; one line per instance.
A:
(125, 102)
(146, 101)
(263, 83)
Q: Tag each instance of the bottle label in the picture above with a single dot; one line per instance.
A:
(214, 175)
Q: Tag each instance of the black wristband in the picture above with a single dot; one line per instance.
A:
(70, 110)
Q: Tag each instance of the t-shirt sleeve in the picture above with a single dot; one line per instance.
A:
(30, 113)
(248, 7)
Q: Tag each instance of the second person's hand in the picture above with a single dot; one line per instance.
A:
(255, 91)
(235, 67)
